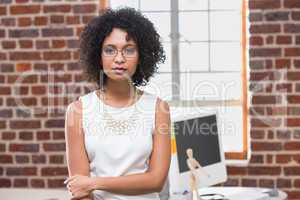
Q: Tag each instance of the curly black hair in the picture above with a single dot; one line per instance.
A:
(138, 28)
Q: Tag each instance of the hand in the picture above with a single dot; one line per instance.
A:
(79, 186)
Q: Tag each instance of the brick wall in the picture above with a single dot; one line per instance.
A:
(274, 82)
(39, 76)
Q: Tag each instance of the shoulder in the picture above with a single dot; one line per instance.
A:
(74, 108)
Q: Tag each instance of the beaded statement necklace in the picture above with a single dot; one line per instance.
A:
(119, 126)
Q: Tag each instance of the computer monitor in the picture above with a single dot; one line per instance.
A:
(201, 135)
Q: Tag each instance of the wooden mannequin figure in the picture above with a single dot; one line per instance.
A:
(193, 164)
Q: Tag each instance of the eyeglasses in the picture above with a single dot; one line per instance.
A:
(127, 52)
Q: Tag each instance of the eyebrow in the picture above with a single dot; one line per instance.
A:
(112, 45)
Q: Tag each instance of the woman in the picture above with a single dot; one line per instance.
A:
(118, 136)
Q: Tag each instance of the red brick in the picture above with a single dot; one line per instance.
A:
(5, 182)
(24, 21)
(264, 76)
(249, 182)
(20, 159)
(276, 110)
(284, 87)
(56, 183)
(22, 67)
(292, 28)
(277, 16)
(8, 135)
(57, 32)
(231, 182)
(283, 158)
(85, 8)
(23, 147)
(283, 39)
(38, 90)
(21, 171)
(3, 10)
(266, 99)
(50, 55)
(55, 123)
(30, 101)
(298, 39)
(293, 76)
(292, 52)
(6, 159)
(291, 4)
(8, 44)
(283, 183)
(264, 4)
(54, 171)
(293, 194)
(25, 44)
(37, 183)
(265, 28)
(62, 8)
(54, 146)
(5, 90)
(292, 145)
(25, 135)
(282, 63)
(293, 99)
(266, 146)
(296, 15)
(2, 125)
(256, 41)
(40, 21)
(25, 124)
(58, 135)
(22, 1)
(20, 183)
(38, 159)
(25, 9)
(266, 183)
(57, 19)
(264, 170)
(43, 135)
(73, 20)
(15, 56)
(291, 171)
(265, 52)
(58, 44)
(56, 159)
(231, 170)
(257, 159)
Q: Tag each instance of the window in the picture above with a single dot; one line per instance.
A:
(205, 70)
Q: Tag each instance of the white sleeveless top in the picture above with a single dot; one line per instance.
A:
(123, 152)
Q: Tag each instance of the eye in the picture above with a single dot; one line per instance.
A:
(130, 50)
(109, 50)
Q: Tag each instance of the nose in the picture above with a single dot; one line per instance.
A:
(119, 57)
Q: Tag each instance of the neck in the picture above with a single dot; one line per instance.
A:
(119, 89)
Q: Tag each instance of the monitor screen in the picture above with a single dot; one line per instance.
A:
(196, 144)
(201, 135)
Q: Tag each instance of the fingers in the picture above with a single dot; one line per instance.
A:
(70, 179)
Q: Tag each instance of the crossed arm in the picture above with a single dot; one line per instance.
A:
(81, 185)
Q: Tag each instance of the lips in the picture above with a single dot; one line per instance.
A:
(119, 70)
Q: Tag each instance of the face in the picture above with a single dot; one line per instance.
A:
(119, 56)
(189, 152)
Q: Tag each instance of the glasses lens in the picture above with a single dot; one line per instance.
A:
(109, 51)
(129, 52)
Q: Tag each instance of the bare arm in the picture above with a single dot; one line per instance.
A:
(154, 179)
(77, 159)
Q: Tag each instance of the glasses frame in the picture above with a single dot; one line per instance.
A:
(122, 52)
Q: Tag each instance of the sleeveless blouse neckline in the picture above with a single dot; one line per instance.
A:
(137, 102)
